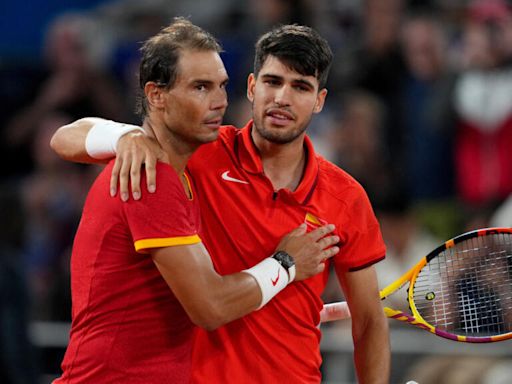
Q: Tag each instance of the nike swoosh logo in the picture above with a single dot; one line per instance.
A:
(274, 282)
(225, 176)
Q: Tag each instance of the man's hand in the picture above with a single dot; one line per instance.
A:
(310, 250)
(135, 150)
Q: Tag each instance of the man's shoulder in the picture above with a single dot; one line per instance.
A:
(338, 185)
(167, 179)
(335, 176)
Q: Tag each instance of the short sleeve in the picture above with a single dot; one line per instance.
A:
(164, 218)
(361, 239)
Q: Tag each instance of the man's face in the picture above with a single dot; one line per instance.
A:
(194, 107)
(283, 101)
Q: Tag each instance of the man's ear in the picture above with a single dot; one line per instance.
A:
(251, 83)
(320, 100)
(154, 94)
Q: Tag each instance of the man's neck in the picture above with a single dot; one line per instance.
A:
(283, 164)
(176, 153)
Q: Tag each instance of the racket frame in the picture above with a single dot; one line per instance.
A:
(410, 277)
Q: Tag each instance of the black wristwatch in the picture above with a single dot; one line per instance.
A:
(288, 263)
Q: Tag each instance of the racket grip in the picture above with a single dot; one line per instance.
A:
(334, 311)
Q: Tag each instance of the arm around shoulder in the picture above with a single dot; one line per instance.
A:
(210, 300)
(69, 141)
(89, 140)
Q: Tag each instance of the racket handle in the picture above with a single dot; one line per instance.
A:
(334, 311)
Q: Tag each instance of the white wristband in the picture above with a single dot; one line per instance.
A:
(271, 277)
(101, 140)
(292, 271)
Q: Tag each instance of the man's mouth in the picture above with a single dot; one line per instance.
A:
(280, 116)
(214, 123)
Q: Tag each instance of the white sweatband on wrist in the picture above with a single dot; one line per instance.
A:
(101, 140)
(271, 277)
(292, 271)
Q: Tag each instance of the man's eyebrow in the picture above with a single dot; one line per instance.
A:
(201, 81)
(272, 76)
(208, 81)
(303, 82)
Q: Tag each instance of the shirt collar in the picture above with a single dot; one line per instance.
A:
(250, 160)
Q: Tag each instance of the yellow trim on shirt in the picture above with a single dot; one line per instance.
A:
(145, 244)
(191, 197)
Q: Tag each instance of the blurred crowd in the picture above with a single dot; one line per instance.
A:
(419, 111)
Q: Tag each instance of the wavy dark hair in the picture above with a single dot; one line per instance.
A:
(161, 53)
(299, 47)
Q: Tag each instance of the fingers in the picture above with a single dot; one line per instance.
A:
(319, 269)
(134, 150)
(124, 178)
(114, 177)
(327, 241)
(135, 180)
(329, 252)
(321, 232)
(300, 230)
(151, 173)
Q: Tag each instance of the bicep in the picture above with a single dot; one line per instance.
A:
(187, 269)
(361, 290)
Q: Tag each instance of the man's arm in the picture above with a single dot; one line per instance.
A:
(78, 142)
(69, 141)
(212, 300)
(369, 325)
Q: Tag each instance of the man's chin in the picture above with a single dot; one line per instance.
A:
(279, 136)
(209, 138)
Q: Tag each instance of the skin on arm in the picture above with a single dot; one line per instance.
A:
(134, 149)
(370, 331)
(212, 300)
(69, 141)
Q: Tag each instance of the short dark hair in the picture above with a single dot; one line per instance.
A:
(161, 53)
(299, 47)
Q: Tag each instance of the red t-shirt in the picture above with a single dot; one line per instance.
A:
(127, 326)
(243, 220)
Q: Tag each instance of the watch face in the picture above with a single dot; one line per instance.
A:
(284, 258)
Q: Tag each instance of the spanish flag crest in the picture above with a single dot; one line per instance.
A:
(313, 222)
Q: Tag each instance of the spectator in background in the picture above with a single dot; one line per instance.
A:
(426, 112)
(375, 64)
(133, 25)
(357, 143)
(427, 123)
(53, 196)
(17, 364)
(483, 102)
(73, 85)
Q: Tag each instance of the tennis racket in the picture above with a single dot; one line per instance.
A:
(462, 290)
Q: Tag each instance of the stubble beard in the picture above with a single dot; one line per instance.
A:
(279, 136)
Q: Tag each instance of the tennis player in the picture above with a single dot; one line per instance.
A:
(127, 325)
(261, 181)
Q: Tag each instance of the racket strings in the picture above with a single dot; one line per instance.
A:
(467, 288)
